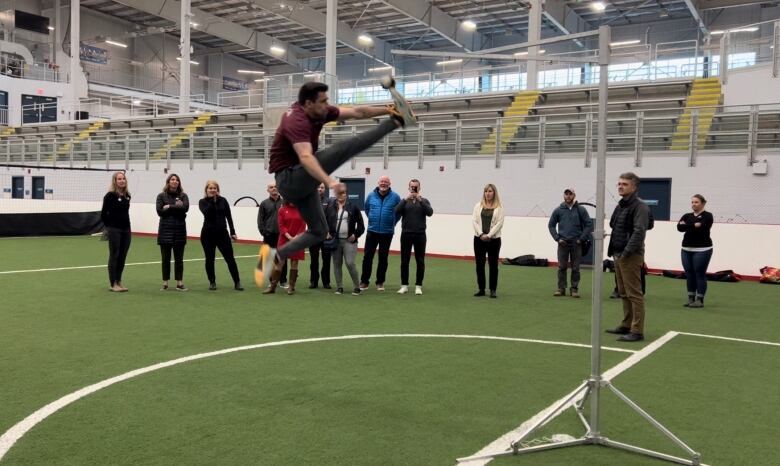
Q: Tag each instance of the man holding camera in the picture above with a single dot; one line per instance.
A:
(412, 211)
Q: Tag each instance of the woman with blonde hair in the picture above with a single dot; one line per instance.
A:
(487, 221)
(115, 215)
(217, 219)
(172, 206)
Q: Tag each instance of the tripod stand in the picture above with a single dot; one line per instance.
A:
(590, 390)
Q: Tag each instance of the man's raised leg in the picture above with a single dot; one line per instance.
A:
(341, 152)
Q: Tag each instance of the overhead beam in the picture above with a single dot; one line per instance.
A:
(489, 56)
(218, 27)
(566, 20)
(439, 22)
(312, 19)
(715, 4)
(696, 16)
(549, 40)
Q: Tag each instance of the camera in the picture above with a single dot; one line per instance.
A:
(414, 189)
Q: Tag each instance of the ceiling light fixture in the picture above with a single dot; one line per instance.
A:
(277, 50)
(624, 42)
(365, 39)
(450, 62)
(251, 72)
(194, 24)
(192, 62)
(137, 102)
(469, 25)
(261, 80)
(719, 32)
(523, 54)
(50, 28)
(380, 68)
(118, 44)
(598, 6)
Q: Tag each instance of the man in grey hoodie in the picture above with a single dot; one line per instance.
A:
(570, 226)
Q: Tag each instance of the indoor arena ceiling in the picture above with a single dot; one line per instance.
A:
(299, 25)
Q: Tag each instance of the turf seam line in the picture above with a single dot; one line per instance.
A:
(80, 267)
(502, 443)
(12, 435)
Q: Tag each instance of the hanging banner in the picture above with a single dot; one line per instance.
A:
(93, 54)
(232, 84)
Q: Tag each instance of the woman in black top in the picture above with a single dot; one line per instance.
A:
(216, 220)
(172, 206)
(115, 215)
(696, 249)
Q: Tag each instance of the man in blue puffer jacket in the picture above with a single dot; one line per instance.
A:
(380, 210)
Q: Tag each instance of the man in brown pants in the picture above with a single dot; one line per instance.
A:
(627, 245)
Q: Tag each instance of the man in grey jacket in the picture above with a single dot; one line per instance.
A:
(268, 223)
(627, 245)
(412, 211)
(570, 226)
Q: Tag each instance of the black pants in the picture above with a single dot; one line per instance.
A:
(211, 240)
(272, 239)
(118, 245)
(314, 254)
(491, 249)
(418, 242)
(373, 240)
(178, 259)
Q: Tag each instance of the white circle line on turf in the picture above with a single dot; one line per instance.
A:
(12, 435)
(79, 267)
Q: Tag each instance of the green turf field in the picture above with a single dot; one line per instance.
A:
(417, 395)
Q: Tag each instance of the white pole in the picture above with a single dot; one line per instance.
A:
(598, 233)
(534, 34)
(75, 53)
(331, 26)
(184, 66)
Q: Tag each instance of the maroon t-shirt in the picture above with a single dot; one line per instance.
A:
(296, 127)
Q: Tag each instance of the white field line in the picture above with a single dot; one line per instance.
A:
(55, 269)
(12, 435)
(502, 444)
(741, 340)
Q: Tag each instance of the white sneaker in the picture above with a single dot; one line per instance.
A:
(404, 289)
(418, 290)
(380, 287)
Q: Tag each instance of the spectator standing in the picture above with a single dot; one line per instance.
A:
(696, 249)
(317, 250)
(487, 220)
(291, 226)
(115, 215)
(217, 219)
(172, 206)
(570, 226)
(413, 211)
(380, 210)
(268, 223)
(345, 222)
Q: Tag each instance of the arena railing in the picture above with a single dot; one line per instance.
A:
(16, 68)
(752, 131)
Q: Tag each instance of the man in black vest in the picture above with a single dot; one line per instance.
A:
(316, 250)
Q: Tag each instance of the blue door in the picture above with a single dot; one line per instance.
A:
(657, 194)
(17, 187)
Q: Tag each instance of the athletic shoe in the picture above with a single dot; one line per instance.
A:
(181, 288)
(403, 290)
(265, 264)
(402, 110)
(212, 286)
(559, 293)
(340, 290)
(238, 287)
(284, 285)
(575, 293)
(380, 287)
(418, 290)
(363, 286)
(356, 292)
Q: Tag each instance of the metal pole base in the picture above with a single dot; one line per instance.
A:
(515, 447)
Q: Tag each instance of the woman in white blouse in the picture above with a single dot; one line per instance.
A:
(487, 220)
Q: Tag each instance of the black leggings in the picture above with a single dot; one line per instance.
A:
(213, 240)
(418, 241)
(491, 249)
(178, 257)
(118, 245)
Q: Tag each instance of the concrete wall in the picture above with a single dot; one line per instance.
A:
(751, 86)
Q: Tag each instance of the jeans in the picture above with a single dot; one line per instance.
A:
(491, 249)
(178, 259)
(695, 266)
(418, 242)
(628, 271)
(373, 240)
(118, 245)
(297, 186)
(569, 251)
(314, 268)
(346, 252)
(211, 240)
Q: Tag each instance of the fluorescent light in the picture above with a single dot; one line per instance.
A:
(625, 42)
(365, 39)
(50, 28)
(719, 31)
(118, 44)
(450, 62)
(261, 80)
(194, 24)
(598, 6)
(277, 50)
(192, 62)
(469, 25)
(311, 75)
(522, 54)
(379, 68)
(137, 102)
(251, 72)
